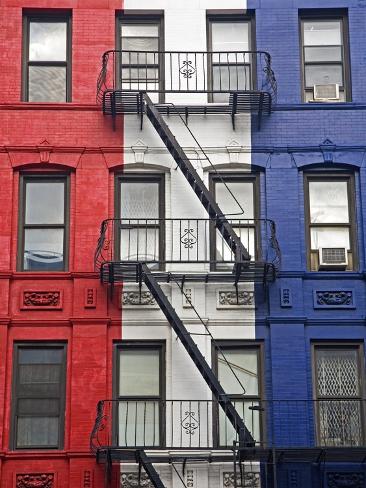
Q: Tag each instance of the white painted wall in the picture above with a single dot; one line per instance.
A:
(185, 29)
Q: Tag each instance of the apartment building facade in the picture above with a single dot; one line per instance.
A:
(183, 263)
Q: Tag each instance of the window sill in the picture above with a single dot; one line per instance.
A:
(50, 106)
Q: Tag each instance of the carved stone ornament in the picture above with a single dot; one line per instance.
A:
(131, 480)
(230, 299)
(334, 299)
(87, 482)
(134, 298)
(250, 480)
(90, 298)
(44, 150)
(346, 480)
(43, 480)
(190, 478)
(42, 300)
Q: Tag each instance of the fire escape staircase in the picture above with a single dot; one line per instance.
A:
(145, 275)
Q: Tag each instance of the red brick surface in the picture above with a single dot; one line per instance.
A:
(79, 141)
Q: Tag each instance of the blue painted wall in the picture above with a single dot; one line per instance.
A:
(287, 146)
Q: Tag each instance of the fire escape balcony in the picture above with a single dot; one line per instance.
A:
(204, 82)
(188, 249)
(297, 430)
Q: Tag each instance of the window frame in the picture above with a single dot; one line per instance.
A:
(46, 18)
(23, 180)
(352, 225)
(15, 396)
(260, 398)
(344, 345)
(138, 177)
(324, 15)
(236, 176)
(134, 17)
(137, 345)
(235, 16)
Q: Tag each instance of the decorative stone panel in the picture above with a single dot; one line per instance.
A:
(131, 480)
(39, 480)
(133, 298)
(88, 479)
(90, 300)
(188, 297)
(41, 300)
(190, 478)
(229, 299)
(250, 479)
(349, 479)
(286, 297)
(337, 298)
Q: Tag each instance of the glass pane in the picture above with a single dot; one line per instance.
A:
(230, 36)
(37, 380)
(328, 202)
(223, 251)
(329, 237)
(138, 423)
(141, 75)
(228, 77)
(37, 431)
(43, 406)
(47, 41)
(243, 191)
(139, 244)
(337, 372)
(140, 44)
(44, 202)
(251, 417)
(340, 423)
(43, 249)
(47, 84)
(140, 30)
(244, 363)
(139, 372)
(323, 75)
(139, 200)
(323, 54)
(326, 33)
(40, 356)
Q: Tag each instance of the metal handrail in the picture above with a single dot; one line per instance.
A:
(186, 71)
(184, 240)
(200, 424)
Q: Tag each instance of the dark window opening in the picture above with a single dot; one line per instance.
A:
(47, 59)
(43, 223)
(39, 396)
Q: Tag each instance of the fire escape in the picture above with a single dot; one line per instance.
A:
(245, 84)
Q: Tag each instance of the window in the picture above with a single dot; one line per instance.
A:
(39, 396)
(140, 394)
(325, 59)
(140, 236)
(338, 389)
(43, 223)
(47, 65)
(230, 67)
(245, 190)
(244, 360)
(331, 222)
(140, 70)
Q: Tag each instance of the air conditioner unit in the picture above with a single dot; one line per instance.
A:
(333, 258)
(326, 93)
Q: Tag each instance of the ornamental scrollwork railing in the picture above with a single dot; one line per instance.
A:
(202, 424)
(188, 240)
(187, 72)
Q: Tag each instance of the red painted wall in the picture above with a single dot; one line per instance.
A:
(73, 138)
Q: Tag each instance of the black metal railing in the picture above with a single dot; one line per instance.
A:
(190, 72)
(202, 424)
(188, 240)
